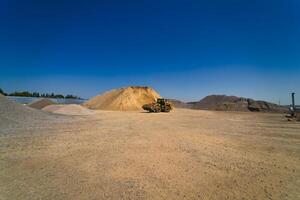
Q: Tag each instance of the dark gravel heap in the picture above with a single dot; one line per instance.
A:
(41, 103)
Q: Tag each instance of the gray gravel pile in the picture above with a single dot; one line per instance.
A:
(15, 115)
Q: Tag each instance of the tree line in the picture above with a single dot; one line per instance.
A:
(37, 94)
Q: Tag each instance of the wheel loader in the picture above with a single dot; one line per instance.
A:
(161, 105)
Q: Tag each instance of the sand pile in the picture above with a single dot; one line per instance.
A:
(41, 103)
(13, 114)
(70, 109)
(123, 99)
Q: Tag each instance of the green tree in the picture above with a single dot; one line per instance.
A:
(69, 96)
(59, 96)
(36, 94)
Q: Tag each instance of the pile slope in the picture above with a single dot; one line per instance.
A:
(233, 103)
(123, 99)
(70, 109)
(41, 103)
(13, 114)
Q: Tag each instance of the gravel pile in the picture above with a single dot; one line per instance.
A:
(41, 103)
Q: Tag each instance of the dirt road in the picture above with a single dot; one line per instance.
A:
(185, 154)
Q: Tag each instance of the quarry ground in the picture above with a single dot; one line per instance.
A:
(186, 154)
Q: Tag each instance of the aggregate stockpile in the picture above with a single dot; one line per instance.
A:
(13, 114)
(41, 103)
(233, 103)
(123, 99)
(70, 109)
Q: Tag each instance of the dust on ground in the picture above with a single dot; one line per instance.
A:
(185, 154)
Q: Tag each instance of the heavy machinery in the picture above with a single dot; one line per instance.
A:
(294, 111)
(161, 105)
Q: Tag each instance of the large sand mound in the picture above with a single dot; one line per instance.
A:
(41, 103)
(123, 99)
(70, 109)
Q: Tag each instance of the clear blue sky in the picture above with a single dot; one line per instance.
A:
(183, 49)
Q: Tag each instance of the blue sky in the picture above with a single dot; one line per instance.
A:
(183, 49)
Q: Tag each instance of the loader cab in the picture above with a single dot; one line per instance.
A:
(161, 101)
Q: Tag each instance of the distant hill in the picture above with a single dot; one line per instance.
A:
(231, 103)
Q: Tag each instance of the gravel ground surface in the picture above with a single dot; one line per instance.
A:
(184, 154)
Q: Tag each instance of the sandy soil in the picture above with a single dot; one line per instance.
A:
(185, 154)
